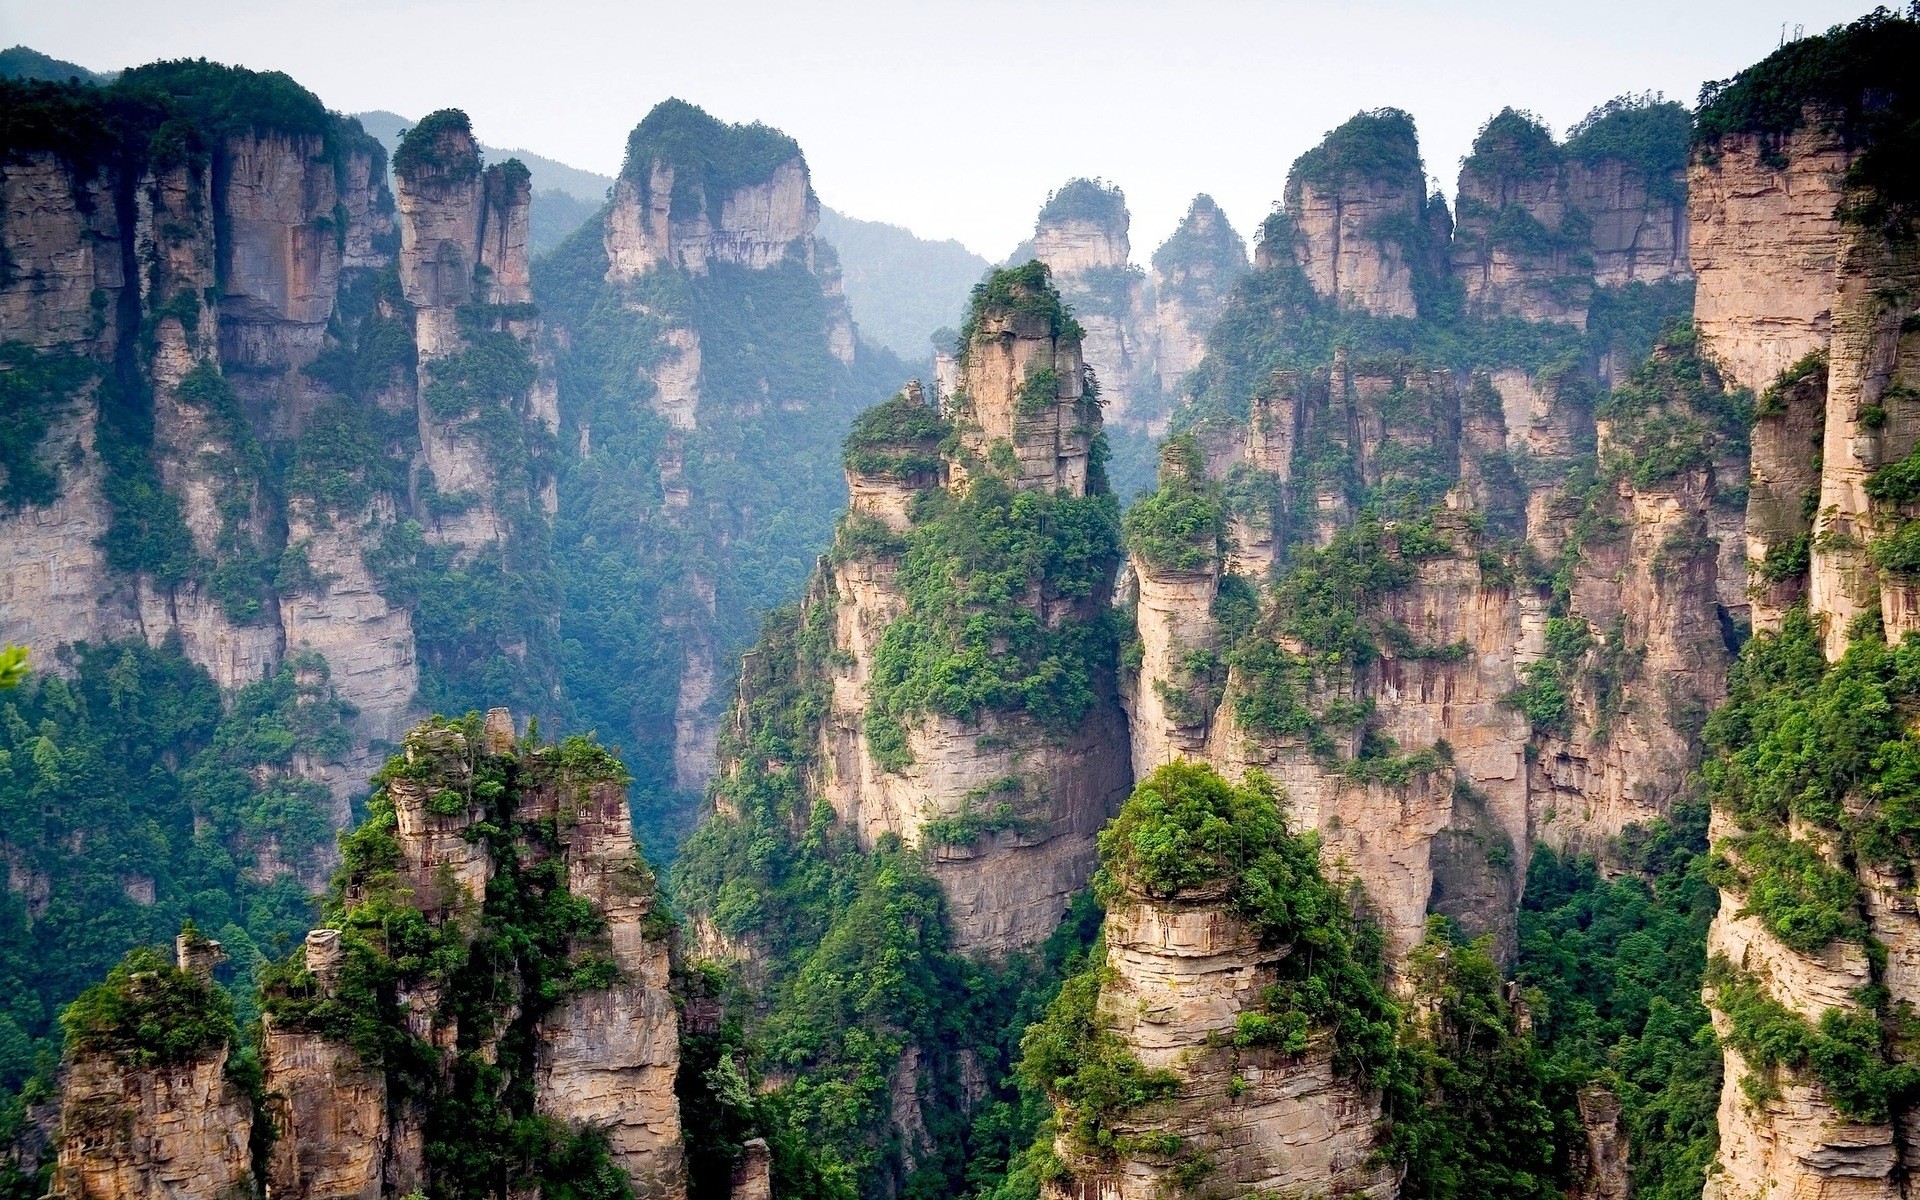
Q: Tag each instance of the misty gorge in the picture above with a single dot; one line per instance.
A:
(529, 684)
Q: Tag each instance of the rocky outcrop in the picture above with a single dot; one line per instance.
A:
(1357, 219)
(1475, 771)
(602, 1054)
(608, 1057)
(184, 300)
(1082, 237)
(135, 1125)
(1006, 807)
(676, 209)
(1764, 240)
(1518, 244)
(1180, 973)
(463, 251)
(1194, 272)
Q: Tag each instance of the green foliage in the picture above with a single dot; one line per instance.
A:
(497, 973)
(1802, 899)
(858, 966)
(34, 386)
(1612, 966)
(1185, 828)
(710, 158)
(1846, 1052)
(1077, 1058)
(1323, 598)
(1856, 80)
(1181, 525)
(1086, 200)
(1475, 1109)
(1673, 415)
(141, 804)
(1801, 738)
(972, 640)
(1203, 257)
(1380, 144)
(899, 438)
(150, 1012)
(228, 101)
(1646, 131)
(1543, 692)
(1514, 144)
(1024, 293)
(430, 148)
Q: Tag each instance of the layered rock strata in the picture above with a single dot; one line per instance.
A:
(1006, 884)
(698, 214)
(1082, 236)
(1443, 823)
(1180, 973)
(131, 1127)
(603, 1055)
(197, 297)
(1194, 272)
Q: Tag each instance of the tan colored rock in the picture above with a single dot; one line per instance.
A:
(753, 1177)
(152, 1132)
(1052, 442)
(1533, 282)
(1272, 1124)
(1640, 225)
(329, 1114)
(1763, 243)
(62, 236)
(1601, 1166)
(1784, 473)
(1873, 358)
(756, 224)
(1088, 256)
(608, 1057)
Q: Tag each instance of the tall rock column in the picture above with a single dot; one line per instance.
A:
(1804, 241)
(1194, 272)
(1518, 244)
(1190, 1003)
(1082, 236)
(1007, 794)
(1357, 217)
(704, 208)
(463, 268)
(148, 1111)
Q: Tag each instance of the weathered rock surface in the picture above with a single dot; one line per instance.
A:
(1193, 275)
(1764, 242)
(153, 1133)
(1082, 236)
(1180, 973)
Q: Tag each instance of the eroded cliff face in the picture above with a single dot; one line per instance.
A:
(602, 1052)
(1422, 756)
(1808, 281)
(1764, 241)
(1006, 805)
(1180, 973)
(185, 304)
(1082, 236)
(1341, 243)
(1539, 224)
(1193, 275)
(153, 1124)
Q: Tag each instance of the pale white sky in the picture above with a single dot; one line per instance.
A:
(955, 119)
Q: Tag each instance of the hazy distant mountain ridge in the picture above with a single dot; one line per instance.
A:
(901, 286)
